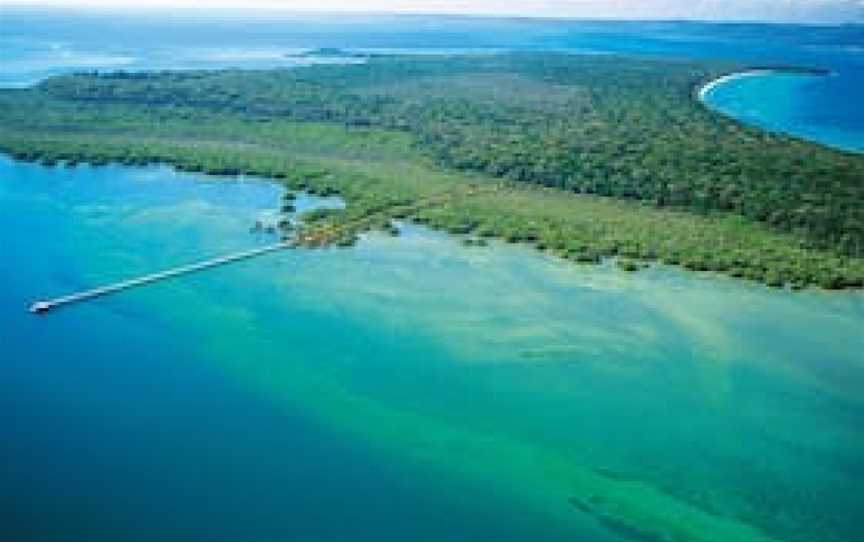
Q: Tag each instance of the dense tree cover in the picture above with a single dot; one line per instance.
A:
(609, 126)
(550, 148)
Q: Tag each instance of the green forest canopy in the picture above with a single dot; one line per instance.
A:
(622, 156)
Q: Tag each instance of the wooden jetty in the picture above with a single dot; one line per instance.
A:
(42, 307)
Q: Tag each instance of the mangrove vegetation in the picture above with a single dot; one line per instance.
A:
(585, 157)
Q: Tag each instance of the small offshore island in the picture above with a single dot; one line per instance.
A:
(585, 157)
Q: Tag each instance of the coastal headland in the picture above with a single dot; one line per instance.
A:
(586, 158)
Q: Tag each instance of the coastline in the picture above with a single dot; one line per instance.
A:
(705, 88)
(517, 209)
(839, 142)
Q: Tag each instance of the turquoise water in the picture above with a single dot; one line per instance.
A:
(406, 389)
(792, 104)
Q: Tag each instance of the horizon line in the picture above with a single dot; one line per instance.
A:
(258, 10)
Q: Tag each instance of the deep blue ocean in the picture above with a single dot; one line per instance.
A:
(409, 388)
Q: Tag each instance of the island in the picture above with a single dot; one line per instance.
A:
(326, 52)
(588, 158)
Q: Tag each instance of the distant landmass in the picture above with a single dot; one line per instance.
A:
(325, 52)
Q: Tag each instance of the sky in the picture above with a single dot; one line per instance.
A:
(813, 11)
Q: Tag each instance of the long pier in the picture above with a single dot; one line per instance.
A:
(311, 238)
(41, 307)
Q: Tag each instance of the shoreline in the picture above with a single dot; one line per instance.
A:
(608, 261)
(702, 92)
(705, 88)
(383, 175)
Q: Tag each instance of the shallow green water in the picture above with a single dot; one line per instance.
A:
(408, 388)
